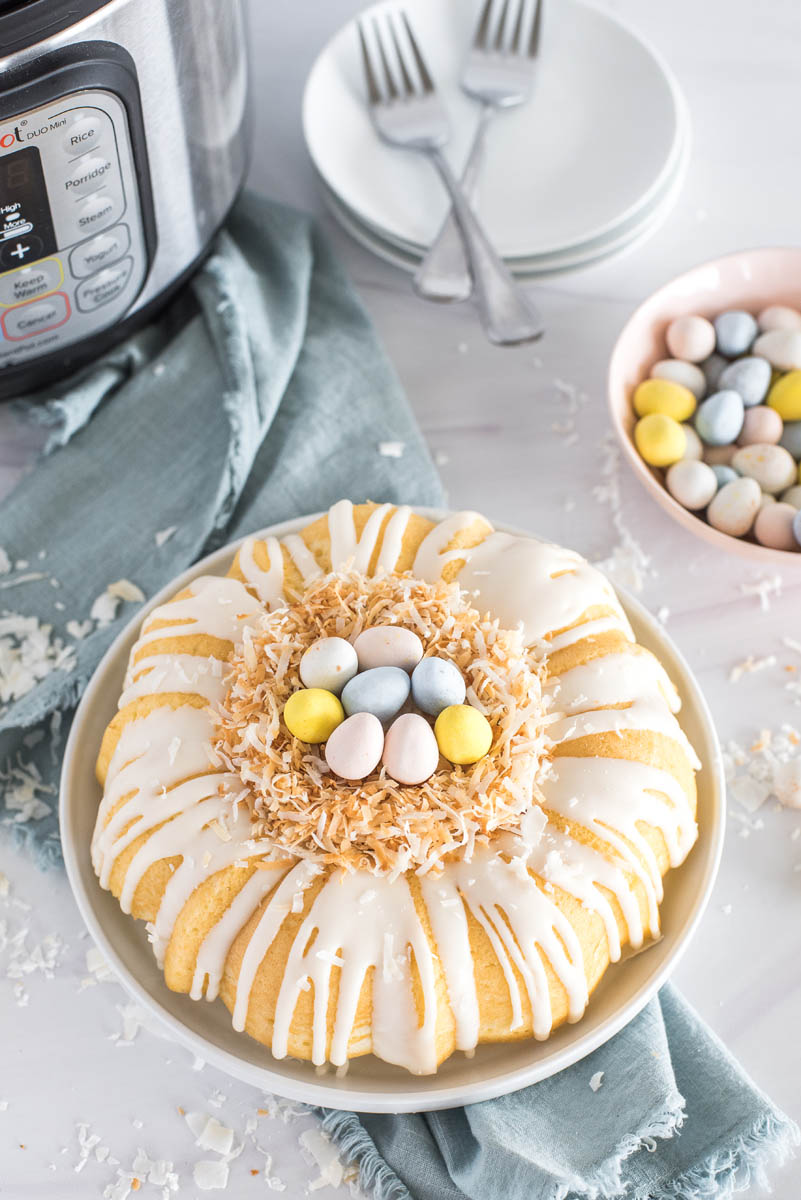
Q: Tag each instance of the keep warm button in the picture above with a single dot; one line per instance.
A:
(104, 287)
(26, 320)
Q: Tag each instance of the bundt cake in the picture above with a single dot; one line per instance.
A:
(338, 917)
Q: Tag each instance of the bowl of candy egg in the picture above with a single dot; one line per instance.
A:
(705, 395)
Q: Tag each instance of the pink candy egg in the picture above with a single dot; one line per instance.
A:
(760, 424)
(774, 527)
(411, 753)
(354, 749)
(691, 338)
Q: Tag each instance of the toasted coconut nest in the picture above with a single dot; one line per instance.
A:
(377, 824)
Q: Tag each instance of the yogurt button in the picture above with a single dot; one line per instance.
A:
(100, 251)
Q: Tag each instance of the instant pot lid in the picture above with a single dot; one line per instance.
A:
(23, 23)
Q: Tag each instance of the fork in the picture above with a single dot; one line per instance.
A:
(500, 74)
(409, 113)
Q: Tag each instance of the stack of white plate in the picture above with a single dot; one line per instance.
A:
(591, 165)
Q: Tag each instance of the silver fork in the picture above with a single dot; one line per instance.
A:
(409, 113)
(499, 71)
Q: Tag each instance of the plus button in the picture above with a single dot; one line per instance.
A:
(20, 251)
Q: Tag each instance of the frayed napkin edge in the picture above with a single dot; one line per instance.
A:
(376, 1177)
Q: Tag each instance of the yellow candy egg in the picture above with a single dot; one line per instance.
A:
(464, 735)
(659, 439)
(664, 396)
(785, 396)
(312, 714)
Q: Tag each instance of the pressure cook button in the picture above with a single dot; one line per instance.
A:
(100, 251)
(83, 134)
(29, 319)
(90, 173)
(29, 282)
(104, 287)
(97, 212)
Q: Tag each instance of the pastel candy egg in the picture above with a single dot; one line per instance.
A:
(785, 396)
(659, 439)
(464, 735)
(765, 499)
(719, 456)
(791, 438)
(760, 424)
(436, 684)
(792, 496)
(687, 374)
(773, 527)
(772, 467)
(723, 474)
(719, 418)
(329, 663)
(778, 316)
(797, 526)
(693, 484)
(749, 377)
(734, 508)
(662, 396)
(781, 347)
(713, 367)
(691, 338)
(388, 646)
(411, 752)
(693, 446)
(382, 691)
(735, 330)
(355, 747)
(312, 715)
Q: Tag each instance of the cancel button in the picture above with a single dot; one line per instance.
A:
(104, 287)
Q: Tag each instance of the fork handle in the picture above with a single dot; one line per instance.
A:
(443, 274)
(506, 314)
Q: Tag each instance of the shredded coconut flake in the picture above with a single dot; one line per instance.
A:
(597, 1080)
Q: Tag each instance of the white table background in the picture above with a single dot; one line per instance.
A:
(739, 69)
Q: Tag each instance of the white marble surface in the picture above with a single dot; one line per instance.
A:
(488, 415)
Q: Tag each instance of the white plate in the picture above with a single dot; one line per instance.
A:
(564, 168)
(371, 1085)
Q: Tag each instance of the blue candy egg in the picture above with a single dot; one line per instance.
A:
(436, 684)
(719, 419)
(797, 526)
(724, 474)
(749, 377)
(734, 332)
(791, 438)
(382, 691)
(713, 367)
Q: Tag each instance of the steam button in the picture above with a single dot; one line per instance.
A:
(96, 213)
(82, 135)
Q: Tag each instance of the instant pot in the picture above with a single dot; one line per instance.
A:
(123, 143)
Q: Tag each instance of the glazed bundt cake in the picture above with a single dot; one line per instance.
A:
(337, 917)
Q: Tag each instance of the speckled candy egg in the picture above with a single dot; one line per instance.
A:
(690, 338)
(312, 715)
(693, 484)
(719, 418)
(713, 367)
(785, 396)
(382, 691)
(778, 316)
(436, 683)
(693, 446)
(720, 456)
(791, 438)
(687, 374)
(760, 424)
(734, 508)
(354, 749)
(723, 474)
(771, 466)
(735, 330)
(781, 347)
(749, 377)
(659, 439)
(773, 527)
(411, 752)
(464, 735)
(388, 646)
(329, 663)
(792, 496)
(664, 396)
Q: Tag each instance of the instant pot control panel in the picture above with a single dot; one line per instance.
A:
(74, 239)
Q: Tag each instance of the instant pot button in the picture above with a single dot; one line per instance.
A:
(82, 135)
(29, 282)
(104, 287)
(89, 174)
(96, 213)
(29, 319)
(100, 251)
(18, 251)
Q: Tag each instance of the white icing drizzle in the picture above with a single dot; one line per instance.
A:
(162, 783)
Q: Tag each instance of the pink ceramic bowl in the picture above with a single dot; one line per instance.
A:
(750, 279)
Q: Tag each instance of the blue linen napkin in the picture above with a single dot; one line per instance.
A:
(259, 395)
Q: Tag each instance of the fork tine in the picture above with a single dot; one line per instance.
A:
(392, 90)
(373, 93)
(518, 30)
(482, 29)
(534, 40)
(425, 78)
(408, 82)
(499, 32)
